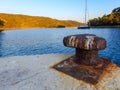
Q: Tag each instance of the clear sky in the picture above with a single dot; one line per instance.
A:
(59, 9)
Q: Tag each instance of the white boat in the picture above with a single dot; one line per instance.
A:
(86, 26)
(83, 27)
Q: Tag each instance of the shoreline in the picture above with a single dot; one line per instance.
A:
(105, 26)
(3, 29)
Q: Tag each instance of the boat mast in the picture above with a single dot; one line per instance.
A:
(85, 11)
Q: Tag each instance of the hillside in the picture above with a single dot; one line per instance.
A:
(112, 19)
(25, 21)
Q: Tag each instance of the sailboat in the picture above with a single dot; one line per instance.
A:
(86, 26)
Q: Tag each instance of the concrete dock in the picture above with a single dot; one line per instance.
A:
(35, 73)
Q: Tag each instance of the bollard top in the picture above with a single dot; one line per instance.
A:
(85, 42)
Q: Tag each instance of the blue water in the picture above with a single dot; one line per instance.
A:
(47, 41)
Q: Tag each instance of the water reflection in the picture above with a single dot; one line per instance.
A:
(1, 39)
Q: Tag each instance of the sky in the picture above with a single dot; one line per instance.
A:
(59, 9)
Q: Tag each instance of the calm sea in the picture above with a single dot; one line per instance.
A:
(47, 41)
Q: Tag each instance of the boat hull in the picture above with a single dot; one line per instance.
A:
(86, 27)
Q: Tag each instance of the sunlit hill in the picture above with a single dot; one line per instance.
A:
(25, 21)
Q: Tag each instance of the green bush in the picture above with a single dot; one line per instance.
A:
(107, 20)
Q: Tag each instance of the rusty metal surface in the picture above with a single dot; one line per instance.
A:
(85, 41)
(90, 74)
(88, 57)
(86, 65)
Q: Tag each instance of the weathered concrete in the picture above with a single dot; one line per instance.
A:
(35, 73)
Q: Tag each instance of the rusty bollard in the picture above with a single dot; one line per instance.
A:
(87, 46)
(85, 65)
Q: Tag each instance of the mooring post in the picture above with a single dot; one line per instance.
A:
(85, 65)
(87, 46)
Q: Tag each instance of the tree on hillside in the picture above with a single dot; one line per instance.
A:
(1, 23)
(116, 9)
(107, 20)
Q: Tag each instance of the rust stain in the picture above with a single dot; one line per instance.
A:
(85, 41)
(110, 68)
(89, 74)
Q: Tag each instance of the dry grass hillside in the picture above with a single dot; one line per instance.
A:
(25, 21)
